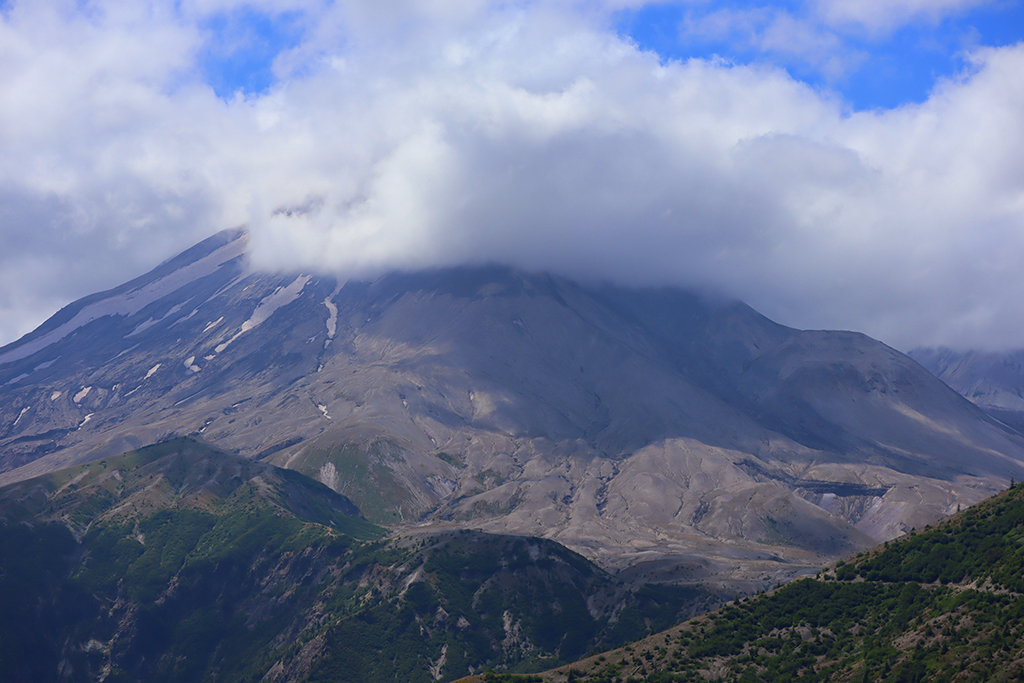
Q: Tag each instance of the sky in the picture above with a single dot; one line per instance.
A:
(839, 164)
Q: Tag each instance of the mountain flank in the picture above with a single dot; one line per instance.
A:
(993, 380)
(667, 434)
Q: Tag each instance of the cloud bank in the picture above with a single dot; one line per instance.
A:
(530, 133)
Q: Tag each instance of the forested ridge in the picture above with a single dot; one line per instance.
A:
(943, 603)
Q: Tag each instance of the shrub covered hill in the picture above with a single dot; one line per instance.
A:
(180, 562)
(941, 604)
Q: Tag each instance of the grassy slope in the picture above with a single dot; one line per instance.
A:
(943, 604)
(180, 473)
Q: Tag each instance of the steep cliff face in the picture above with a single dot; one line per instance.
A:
(660, 430)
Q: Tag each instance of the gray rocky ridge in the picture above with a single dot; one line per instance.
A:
(661, 433)
(993, 380)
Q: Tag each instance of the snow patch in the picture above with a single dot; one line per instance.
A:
(20, 415)
(85, 420)
(43, 366)
(191, 364)
(144, 325)
(323, 409)
(131, 302)
(153, 321)
(282, 296)
(187, 317)
(81, 394)
(55, 395)
(153, 370)
(17, 379)
(214, 324)
(128, 350)
(332, 319)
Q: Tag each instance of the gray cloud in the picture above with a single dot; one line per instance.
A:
(523, 133)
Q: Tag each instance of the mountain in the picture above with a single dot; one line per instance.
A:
(667, 434)
(180, 562)
(942, 604)
(994, 380)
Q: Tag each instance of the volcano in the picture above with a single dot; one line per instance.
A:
(663, 433)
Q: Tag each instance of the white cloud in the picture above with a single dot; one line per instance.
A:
(525, 133)
(884, 16)
(799, 40)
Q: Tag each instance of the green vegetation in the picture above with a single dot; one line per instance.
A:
(363, 474)
(181, 563)
(985, 546)
(453, 460)
(32, 562)
(942, 605)
(514, 604)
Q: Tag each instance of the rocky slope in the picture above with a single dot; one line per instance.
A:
(993, 380)
(666, 433)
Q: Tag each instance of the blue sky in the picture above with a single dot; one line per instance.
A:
(854, 164)
(241, 56)
(886, 68)
(879, 67)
